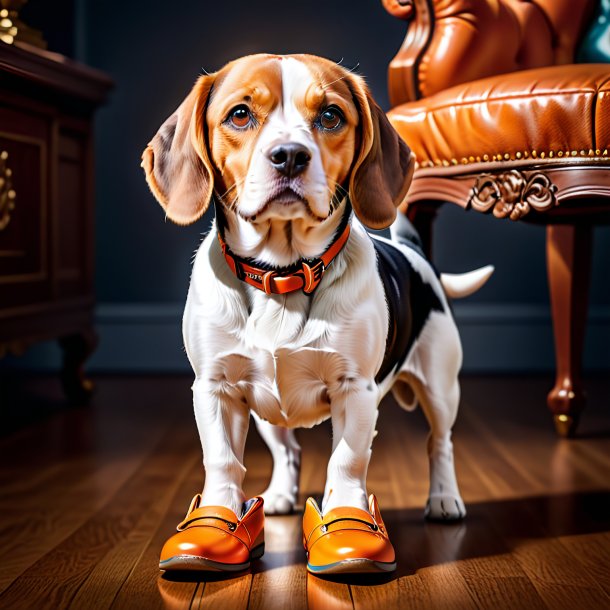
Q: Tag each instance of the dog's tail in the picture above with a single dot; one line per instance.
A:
(461, 285)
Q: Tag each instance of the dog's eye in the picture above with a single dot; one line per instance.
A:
(240, 117)
(330, 119)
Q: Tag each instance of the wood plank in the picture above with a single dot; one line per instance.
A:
(107, 577)
(414, 593)
(280, 578)
(316, 444)
(56, 577)
(593, 552)
(323, 594)
(400, 447)
(145, 582)
(29, 533)
(553, 464)
(447, 587)
(503, 474)
(561, 581)
(373, 596)
(498, 582)
(223, 593)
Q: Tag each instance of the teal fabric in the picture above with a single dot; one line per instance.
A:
(595, 46)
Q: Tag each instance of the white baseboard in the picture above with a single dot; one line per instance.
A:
(497, 337)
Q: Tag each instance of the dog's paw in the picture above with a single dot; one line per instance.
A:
(445, 507)
(278, 503)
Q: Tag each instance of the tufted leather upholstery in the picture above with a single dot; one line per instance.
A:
(553, 112)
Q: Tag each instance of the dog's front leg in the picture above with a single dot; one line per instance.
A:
(222, 420)
(354, 414)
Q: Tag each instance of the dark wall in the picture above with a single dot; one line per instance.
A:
(155, 50)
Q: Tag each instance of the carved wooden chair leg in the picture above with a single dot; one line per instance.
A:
(76, 349)
(569, 268)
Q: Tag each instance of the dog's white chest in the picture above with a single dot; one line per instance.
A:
(275, 321)
(290, 381)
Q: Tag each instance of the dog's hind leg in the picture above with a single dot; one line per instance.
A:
(282, 493)
(437, 358)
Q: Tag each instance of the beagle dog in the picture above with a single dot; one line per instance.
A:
(295, 312)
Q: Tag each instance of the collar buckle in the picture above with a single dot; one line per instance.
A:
(266, 281)
(275, 282)
(312, 275)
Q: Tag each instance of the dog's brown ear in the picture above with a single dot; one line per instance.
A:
(383, 167)
(178, 169)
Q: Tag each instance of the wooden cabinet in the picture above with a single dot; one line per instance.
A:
(47, 204)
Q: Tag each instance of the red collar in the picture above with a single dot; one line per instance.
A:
(306, 277)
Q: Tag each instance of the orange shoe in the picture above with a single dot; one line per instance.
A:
(346, 540)
(212, 538)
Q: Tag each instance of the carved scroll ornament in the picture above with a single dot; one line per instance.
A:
(7, 194)
(512, 194)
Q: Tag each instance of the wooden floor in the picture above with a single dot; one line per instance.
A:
(88, 497)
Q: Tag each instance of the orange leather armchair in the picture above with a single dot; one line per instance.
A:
(502, 121)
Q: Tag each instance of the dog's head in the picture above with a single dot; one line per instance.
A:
(279, 137)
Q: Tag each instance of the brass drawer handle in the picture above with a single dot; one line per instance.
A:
(7, 193)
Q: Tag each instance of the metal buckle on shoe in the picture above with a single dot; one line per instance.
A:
(312, 275)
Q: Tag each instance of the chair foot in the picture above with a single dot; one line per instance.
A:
(565, 425)
(566, 403)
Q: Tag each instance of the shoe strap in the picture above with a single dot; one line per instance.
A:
(219, 513)
(248, 528)
(348, 513)
(338, 515)
(327, 523)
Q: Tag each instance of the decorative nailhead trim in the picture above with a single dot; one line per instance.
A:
(534, 154)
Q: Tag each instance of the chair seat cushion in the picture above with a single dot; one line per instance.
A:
(541, 113)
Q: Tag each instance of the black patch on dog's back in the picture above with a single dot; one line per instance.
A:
(410, 301)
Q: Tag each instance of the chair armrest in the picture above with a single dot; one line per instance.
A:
(403, 82)
(449, 42)
(401, 9)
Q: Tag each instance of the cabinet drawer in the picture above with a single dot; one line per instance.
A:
(25, 266)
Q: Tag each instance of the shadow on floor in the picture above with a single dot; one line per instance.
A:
(491, 528)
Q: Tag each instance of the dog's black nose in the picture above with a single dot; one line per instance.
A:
(290, 159)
